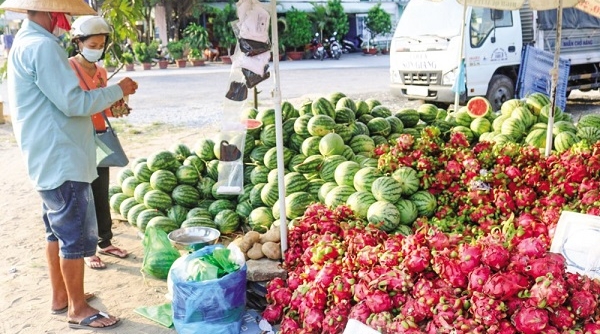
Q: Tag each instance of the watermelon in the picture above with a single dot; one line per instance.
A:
(187, 175)
(161, 160)
(462, 118)
(325, 189)
(513, 128)
(227, 221)
(338, 196)
(497, 123)
(379, 140)
(199, 212)
(314, 186)
(590, 134)
(288, 111)
(327, 171)
(396, 125)
(487, 136)
(243, 210)
(253, 127)
(249, 113)
(129, 185)
(381, 111)
(330, 144)
(536, 101)
(362, 144)
(310, 146)
(220, 205)
(409, 117)
(589, 120)
(270, 158)
(335, 97)
(114, 189)
(322, 106)
(166, 224)
(379, 126)
(196, 162)
(564, 140)
(365, 118)
(141, 190)
(296, 160)
(141, 172)
(295, 182)
(288, 129)
(259, 175)
(295, 142)
(536, 138)
(509, 105)
(181, 151)
(269, 194)
(364, 178)
(163, 180)
(348, 153)
(205, 186)
(296, 204)
(480, 125)
(360, 202)
(156, 199)
(501, 139)
(386, 188)
(562, 126)
(198, 221)
(249, 145)
(408, 211)
(255, 198)
(301, 125)
(384, 214)
(123, 174)
(320, 125)
(116, 200)
(126, 205)
(177, 213)
(344, 173)
(305, 108)
(347, 103)
(260, 219)
(545, 114)
(266, 116)
(361, 108)
(144, 217)
(267, 136)
(425, 202)
(465, 131)
(363, 128)
(133, 212)
(427, 112)
(186, 195)
(312, 164)
(408, 179)
(258, 154)
(479, 107)
(344, 131)
(274, 174)
(524, 115)
(372, 103)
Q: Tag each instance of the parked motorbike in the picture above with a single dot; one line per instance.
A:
(316, 48)
(350, 45)
(333, 48)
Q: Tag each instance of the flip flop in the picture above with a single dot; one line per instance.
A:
(89, 263)
(113, 251)
(85, 323)
(88, 297)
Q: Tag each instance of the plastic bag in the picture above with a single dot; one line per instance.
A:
(214, 306)
(159, 254)
(162, 314)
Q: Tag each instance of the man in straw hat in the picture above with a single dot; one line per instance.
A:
(52, 125)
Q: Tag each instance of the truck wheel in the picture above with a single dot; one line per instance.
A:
(501, 89)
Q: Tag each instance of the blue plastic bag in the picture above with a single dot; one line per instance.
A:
(215, 306)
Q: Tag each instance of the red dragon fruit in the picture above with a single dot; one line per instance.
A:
(417, 260)
(360, 312)
(530, 320)
(341, 289)
(495, 256)
(550, 330)
(486, 310)
(380, 321)
(378, 301)
(336, 318)
(316, 297)
(583, 303)
(502, 327)
(419, 311)
(273, 313)
(562, 318)
(401, 324)
(449, 270)
(470, 257)
(532, 247)
(313, 320)
(548, 292)
(325, 276)
(591, 328)
(551, 263)
(502, 286)
(478, 277)
(289, 326)
(281, 296)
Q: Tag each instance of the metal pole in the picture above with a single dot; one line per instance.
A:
(554, 78)
(461, 54)
(278, 126)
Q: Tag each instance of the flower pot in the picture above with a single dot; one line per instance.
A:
(147, 66)
(385, 51)
(197, 62)
(226, 59)
(370, 51)
(163, 64)
(295, 55)
(110, 68)
(129, 67)
(181, 63)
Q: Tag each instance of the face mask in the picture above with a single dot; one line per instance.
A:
(91, 55)
(60, 23)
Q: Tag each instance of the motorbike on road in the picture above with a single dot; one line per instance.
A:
(350, 45)
(333, 49)
(317, 51)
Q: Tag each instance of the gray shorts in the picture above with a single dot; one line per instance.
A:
(70, 218)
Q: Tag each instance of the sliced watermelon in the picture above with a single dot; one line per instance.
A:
(478, 107)
(252, 124)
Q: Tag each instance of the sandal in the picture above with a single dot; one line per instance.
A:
(113, 251)
(86, 322)
(88, 296)
(94, 262)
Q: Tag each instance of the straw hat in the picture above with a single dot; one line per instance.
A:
(72, 7)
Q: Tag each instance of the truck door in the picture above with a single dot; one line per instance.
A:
(493, 42)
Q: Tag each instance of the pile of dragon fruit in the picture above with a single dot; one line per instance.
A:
(479, 265)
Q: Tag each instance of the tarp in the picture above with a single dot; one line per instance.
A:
(572, 19)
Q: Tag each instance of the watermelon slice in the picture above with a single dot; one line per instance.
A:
(252, 124)
(478, 107)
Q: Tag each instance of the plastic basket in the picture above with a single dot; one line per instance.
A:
(534, 75)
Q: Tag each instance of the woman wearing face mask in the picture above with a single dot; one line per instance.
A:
(90, 38)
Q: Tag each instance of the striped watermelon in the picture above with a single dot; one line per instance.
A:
(479, 107)
(266, 116)
(314, 186)
(524, 115)
(301, 125)
(187, 175)
(199, 212)
(204, 149)
(545, 114)
(212, 169)
(249, 145)
(427, 112)
(133, 213)
(409, 117)
(384, 214)
(181, 151)
(141, 190)
(364, 178)
(156, 199)
(295, 182)
(386, 188)
(185, 195)
(344, 173)
(335, 97)
(344, 131)
(126, 205)
(163, 180)
(259, 174)
(270, 158)
(198, 221)
(267, 135)
(348, 153)
(425, 202)
(379, 140)
(178, 214)
(469, 135)
(327, 171)
(145, 216)
(338, 196)
(114, 189)
(360, 202)
(589, 134)
(116, 200)
(362, 144)
(243, 210)
(273, 175)
(396, 125)
(205, 187)
(296, 160)
(372, 103)
(408, 179)
(322, 106)
(562, 126)
(129, 185)
(346, 102)
(220, 205)
(166, 224)
(325, 189)
(480, 125)
(536, 138)
(269, 194)
(589, 120)
(296, 204)
(312, 164)
(344, 115)
(227, 221)
(305, 108)
(320, 125)
(295, 142)
(255, 193)
(365, 118)
(379, 126)
(123, 174)
(361, 108)
(161, 160)
(310, 146)
(258, 154)
(249, 113)
(564, 140)
(260, 219)
(141, 172)
(536, 101)
(196, 162)
(381, 111)
(288, 111)
(514, 128)
(510, 105)
(330, 144)
(408, 211)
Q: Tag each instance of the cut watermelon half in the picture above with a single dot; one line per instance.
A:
(478, 107)
(252, 124)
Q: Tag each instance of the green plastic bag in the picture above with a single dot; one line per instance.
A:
(159, 254)
(162, 314)
(199, 270)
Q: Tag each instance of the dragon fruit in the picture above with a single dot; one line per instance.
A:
(478, 277)
(502, 286)
(549, 264)
(313, 320)
(336, 318)
(316, 297)
(486, 310)
(417, 260)
(380, 321)
(378, 301)
(289, 326)
(401, 324)
(281, 296)
(449, 270)
(591, 328)
(530, 320)
(360, 312)
(548, 292)
(532, 247)
(341, 288)
(562, 318)
(470, 257)
(273, 313)
(495, 256)
(419, 311)
(325, 276)
(583, 303)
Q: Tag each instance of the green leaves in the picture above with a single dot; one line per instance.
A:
(222, 26)
(378, 21)
(299, 29)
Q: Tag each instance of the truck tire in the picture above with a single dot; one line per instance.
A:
(500, 90)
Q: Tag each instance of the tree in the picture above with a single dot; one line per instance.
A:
(222, 27)
(299, 29)
(338, 20)
(319, 17)
(378, 21)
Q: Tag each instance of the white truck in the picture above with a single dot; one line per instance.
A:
(425, 49)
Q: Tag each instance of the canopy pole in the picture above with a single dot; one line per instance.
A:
(278, 126)
(554, 78)
(461, 54)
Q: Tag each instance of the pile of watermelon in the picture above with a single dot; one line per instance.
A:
(522, 121)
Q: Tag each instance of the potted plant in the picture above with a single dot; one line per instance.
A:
(144, 53)
(378, 22)
(127, 59)
(177, 50)
(195, 57)
(298, 32)
(110, 64)
(223, 31)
